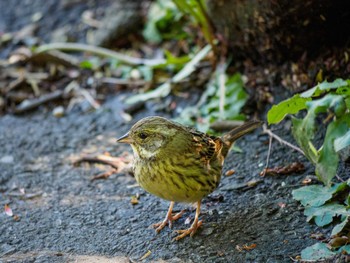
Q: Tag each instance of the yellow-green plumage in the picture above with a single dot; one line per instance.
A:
(178, 163)
(175, 162)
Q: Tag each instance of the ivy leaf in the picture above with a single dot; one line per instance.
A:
(317, 251)
(323, 215)
(313, 195)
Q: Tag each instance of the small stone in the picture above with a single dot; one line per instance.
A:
(58, 112)
(207, 231)
(7, 159)
(135, 74)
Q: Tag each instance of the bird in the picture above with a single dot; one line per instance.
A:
(178, 163)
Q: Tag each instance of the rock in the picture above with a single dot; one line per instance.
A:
(58, 112)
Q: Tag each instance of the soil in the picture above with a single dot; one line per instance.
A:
(60, 215)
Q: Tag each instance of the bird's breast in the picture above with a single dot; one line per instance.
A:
(175, 180)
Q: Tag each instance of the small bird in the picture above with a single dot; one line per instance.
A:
(178, 163)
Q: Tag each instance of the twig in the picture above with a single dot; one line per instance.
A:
(280, 140)
(268, 155)
(123, 81)
(101, 52)
(114, 162)
(222, 89)
(225, 125)
(34, 103)
(118, 163)
(104, 175)
(89, 98)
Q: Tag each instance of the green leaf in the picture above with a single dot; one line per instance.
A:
(339, 227)
(163, 22)
(317, 251)
(337, 188)
(323, 215)
(208, 108)
(318, 89)
(327, 164)
(290, 106)
(342, 142)
(313, 195)
(333, 85)
(323, 104)
(170, 59)
(303, 132)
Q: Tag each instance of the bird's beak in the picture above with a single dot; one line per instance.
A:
(125, 139)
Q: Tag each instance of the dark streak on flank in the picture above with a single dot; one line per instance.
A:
(174, 183)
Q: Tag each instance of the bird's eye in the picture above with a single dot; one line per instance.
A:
(142, 135)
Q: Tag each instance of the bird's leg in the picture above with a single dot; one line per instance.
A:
(195, 225)
(168, 219)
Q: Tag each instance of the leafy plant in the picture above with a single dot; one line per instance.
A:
(332, 98)
(164, 21)
(217, 103)
(323, 205)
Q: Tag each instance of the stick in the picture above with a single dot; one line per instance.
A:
(268, 155)
(279, 139)
(34, 103)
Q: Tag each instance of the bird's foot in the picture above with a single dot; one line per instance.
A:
(190, 231)
(167, 221)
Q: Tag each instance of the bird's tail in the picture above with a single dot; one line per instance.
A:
(238, 132)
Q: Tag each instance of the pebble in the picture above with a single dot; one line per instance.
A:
(7, 159)
(58, 112)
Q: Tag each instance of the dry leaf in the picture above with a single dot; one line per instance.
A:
(8, 210)
(230, 172)
(146, 255)
(188, 220)
(295, 167)
(245, 247)
(134, 200)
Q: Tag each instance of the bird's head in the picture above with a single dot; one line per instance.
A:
(149, 136)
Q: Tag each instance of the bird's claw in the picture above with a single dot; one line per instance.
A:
(167, 221)
(190, 231)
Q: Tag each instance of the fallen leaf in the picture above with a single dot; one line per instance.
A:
(338, 242)
(317, 236)
(230, 172)
(8, 210)
(134, 200)
(146, 255)
(249, 247)
(188, 220)
(245, 247)
(282, 205)
(307, 181)
(295, 167)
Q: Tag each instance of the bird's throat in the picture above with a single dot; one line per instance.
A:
(143, 153)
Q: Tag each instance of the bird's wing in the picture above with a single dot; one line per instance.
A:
(206, 146)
